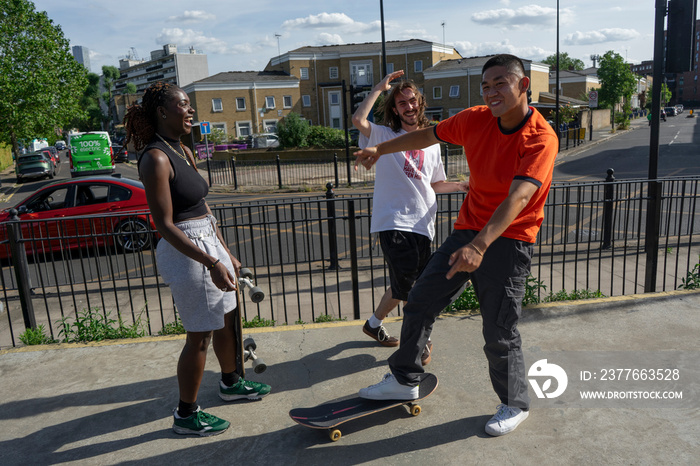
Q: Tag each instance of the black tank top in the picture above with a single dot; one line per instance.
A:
(187, 188)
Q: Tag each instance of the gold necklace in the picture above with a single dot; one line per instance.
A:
(182, 156)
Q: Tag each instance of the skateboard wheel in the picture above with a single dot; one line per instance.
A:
(259, 366)
(415, 410)
(256, 294)
(249, 343)
(335, 435)
(246, 273)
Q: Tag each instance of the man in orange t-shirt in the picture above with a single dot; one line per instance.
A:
(510, 149)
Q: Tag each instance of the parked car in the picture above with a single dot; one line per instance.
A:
(60, 145)
(120, 153)
(83, 212)
(265, 140)
(670, 111)
(34, 165)
(52, 153)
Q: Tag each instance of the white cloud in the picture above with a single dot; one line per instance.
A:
(331, 21)
(529, 15)
(329, 39)
(190, 37)
(469, 49)
(192, 16)
(600, 36)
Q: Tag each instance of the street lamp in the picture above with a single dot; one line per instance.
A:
(556, 85)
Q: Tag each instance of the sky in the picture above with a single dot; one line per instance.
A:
(243, 36)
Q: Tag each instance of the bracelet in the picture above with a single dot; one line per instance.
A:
(211, 267)
(476, 249)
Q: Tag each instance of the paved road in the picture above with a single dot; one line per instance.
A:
(111, 403)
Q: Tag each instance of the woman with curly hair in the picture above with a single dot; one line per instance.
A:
(192, 258)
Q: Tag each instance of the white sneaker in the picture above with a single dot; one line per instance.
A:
(389, 389)
(505, 420)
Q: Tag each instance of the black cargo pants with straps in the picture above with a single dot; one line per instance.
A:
(500, 287)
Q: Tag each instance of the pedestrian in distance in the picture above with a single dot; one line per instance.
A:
(404, 202)
(510, 149)
(192, 257)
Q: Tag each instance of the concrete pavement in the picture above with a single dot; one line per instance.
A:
(111, 403)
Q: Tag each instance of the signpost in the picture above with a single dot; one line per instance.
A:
(205, 129)
(592, 103)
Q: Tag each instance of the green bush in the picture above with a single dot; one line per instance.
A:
(173, 328)
(90, 325)
(293, 131)
(36, 336)
(258, 322)
(326, 138)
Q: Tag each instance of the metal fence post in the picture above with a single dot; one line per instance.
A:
(651, 241)
(349, 171)
(279, 172)
(608, 193)
(335, 168)
(352, 233)
(233, 168)
(332, 233)
(19, 263)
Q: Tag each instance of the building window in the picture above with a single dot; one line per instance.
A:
(335, 123)
(306, 100)
(453, 111)
(334, 98)
(270, 102)
(217, 105)
(333, 72)
(304, 72)
(287, 101)
(240, 103)
(270, 126)
(454, 91)
(243, 129)
(389, 68)
(221, 126)
(418, 66)
(437, 92)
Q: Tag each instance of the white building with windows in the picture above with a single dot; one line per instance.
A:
(166, 64)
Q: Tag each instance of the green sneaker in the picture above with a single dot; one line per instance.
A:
(200, 423)
(243, 389)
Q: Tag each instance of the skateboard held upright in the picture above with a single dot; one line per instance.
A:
(247, 347)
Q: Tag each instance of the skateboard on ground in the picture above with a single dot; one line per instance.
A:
(247, 347)
(330, 415)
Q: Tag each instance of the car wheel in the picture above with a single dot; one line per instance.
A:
(133, 235)
(51, 174)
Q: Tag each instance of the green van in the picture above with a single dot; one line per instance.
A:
(90, 154)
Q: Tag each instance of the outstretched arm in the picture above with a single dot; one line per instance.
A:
(418, 139)
(359, 118)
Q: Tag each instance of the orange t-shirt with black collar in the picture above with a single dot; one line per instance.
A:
(495, 159)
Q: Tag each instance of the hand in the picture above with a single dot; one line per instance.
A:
(463, 186)
(367, 157)
(223, 278)
(464, 259)
(384, 84)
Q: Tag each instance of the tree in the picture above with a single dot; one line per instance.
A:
(565, 62)
(665, 94)
(617, 81)
(40, 82)
(292, 131)
(109, 74)
(130, 88)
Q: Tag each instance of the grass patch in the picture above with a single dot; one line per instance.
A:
(36, 336)
(91, 325)
(258, 322)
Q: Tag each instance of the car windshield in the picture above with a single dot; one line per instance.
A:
(31, 158)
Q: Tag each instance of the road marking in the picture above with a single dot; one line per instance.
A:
(674, 138)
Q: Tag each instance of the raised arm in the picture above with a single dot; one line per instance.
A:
(359, 118)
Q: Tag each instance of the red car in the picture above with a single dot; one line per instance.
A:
(83, 212)
(53, 155)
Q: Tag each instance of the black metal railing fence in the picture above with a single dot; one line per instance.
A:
(316, 256)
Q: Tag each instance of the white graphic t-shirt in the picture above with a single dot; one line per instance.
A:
(403, 198)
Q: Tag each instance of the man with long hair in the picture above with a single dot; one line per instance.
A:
(404, 203)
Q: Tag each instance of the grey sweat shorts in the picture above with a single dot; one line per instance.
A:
(199, 302)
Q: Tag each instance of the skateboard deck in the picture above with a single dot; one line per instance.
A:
(331, 415)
